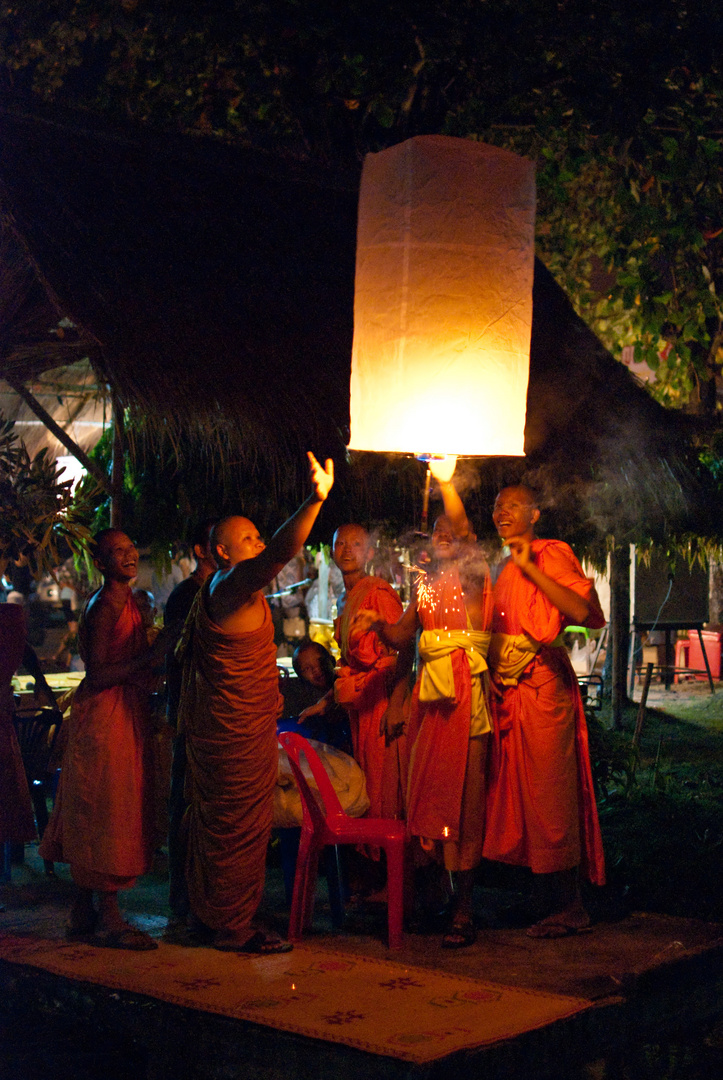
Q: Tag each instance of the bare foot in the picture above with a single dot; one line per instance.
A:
(571, 920)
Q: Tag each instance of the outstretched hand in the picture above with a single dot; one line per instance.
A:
(322, 479)
(442, 468)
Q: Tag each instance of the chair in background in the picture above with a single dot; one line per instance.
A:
(37, 731)
(326, 823)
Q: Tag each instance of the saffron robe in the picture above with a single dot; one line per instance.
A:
(103, 818)
(17, 823)
(444, 801)
(229, 704)
(541, 808)
(363, 686)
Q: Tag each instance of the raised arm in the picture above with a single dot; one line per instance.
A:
(249, 575)
(442, 470)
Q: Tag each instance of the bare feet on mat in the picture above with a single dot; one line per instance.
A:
(572, 920)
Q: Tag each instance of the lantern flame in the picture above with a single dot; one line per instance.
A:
(443, 299)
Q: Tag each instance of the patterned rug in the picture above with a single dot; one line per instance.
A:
(379, 1006)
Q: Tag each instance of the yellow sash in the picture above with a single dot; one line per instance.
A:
(509, 655)
(437, 681)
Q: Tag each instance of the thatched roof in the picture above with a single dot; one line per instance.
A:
(212, 287)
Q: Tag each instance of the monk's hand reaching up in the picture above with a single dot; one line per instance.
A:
(322, 479)
(520, 552)
(442, 468)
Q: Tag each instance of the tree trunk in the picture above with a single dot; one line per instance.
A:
(716, 593)
(619, 630)
(117, 466)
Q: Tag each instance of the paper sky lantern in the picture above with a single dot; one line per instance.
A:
(443, 299)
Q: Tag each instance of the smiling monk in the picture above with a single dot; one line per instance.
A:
(230, 701)
(541, 808)
(102, 822)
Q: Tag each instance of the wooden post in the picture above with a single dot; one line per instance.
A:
(117, 466)
(619, 629)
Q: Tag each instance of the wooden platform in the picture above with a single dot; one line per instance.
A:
(649, 976)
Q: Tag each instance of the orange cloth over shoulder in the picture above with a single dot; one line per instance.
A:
(363, 686)
(102, 822)
(541, 808)
(229, 705)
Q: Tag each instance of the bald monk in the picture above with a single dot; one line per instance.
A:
(541, 808)
(229, 704)
(449, 722)
(103, 819)
(369, 684)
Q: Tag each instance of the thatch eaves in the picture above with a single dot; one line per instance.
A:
(213, 289)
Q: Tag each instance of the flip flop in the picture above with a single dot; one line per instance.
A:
(127, 938)
(259, 944)
(460, 935)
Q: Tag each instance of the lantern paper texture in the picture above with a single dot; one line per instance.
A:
(443, 299)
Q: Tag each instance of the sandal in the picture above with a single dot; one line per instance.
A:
(259, 944)
(460, 935)
(127, 937)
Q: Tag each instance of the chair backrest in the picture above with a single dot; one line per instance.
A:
(36, 741)
(295, 745)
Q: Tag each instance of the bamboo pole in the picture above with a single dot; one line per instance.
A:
(60, 434)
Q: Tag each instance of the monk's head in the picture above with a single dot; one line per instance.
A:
(444, 542)
(516, 512)
(352, 549)
(314, 664)
(115, 555)
(234, 540)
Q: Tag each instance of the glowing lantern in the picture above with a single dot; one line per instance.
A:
(443, 299)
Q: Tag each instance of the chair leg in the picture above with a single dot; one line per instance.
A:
(395, 893)
(335, 881)
(302, 903)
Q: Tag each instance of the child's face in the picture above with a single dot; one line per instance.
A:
(311, 669)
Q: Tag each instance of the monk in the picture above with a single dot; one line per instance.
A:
(449, 721)
(103, 819)
(541, 809)
(368, 685)
(229, 704)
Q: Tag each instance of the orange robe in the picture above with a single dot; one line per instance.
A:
(102, 821)
(446, 775)
(17, 823)
(363, 686)
(230, 701)
(541, 808)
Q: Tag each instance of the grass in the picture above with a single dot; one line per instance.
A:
(661, 809)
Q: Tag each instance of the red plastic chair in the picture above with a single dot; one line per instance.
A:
(328, 824)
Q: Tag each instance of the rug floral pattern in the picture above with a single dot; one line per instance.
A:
(380, 1006)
